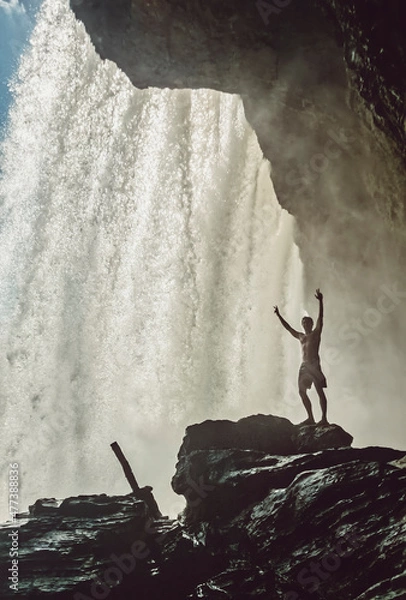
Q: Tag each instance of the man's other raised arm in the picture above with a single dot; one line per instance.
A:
(286, 325)
(319, 296)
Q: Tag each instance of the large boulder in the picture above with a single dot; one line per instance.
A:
(266, 433)
(217, 458)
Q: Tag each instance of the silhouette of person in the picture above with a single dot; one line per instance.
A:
(310, 370)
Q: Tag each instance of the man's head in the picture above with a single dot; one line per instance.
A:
(307, 324)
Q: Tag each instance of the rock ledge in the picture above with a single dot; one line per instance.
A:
(265, 433)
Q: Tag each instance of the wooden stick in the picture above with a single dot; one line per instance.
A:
(126, 468)
(145, 494)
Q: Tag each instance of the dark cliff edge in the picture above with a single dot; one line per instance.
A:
(274, 510)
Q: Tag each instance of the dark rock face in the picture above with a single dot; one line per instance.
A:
(81, 548)
(376, 56)
(266, 433)
(326, 524)
(313, 439)
(342, 503)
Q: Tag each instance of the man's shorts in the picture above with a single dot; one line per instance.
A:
(311, 373)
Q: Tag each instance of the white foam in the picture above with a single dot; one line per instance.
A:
(142, 250)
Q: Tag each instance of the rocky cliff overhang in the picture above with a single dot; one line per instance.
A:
(273, 511)
(322, 81)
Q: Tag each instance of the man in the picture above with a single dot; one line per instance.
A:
(310, 370)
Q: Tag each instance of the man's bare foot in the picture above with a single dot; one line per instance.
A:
(323, 423)
(309, 421)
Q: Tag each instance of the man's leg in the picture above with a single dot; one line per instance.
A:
(323, 403)
(307, 405)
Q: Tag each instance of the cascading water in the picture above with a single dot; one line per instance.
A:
(142, 248)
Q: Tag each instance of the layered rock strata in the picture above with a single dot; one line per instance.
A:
(273, 511)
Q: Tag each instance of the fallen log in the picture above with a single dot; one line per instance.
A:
(141, 493)
(126, 467)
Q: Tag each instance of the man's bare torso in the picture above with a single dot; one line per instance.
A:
(310, 343)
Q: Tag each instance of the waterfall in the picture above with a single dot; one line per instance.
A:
(142, 250)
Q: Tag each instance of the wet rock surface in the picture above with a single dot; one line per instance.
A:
(326, 523)
(275, 435)
(375, 51)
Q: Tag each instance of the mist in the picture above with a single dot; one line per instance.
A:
(341, 180)
(141, 255)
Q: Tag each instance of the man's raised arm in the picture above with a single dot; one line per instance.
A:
(286, 325)
(319, 296)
